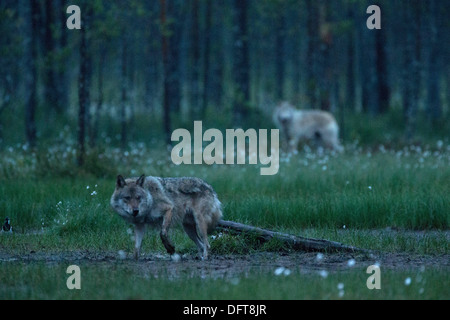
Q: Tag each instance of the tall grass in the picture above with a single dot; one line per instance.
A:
(361, 190)
(404, 189)
(364, 191)
(374, 198)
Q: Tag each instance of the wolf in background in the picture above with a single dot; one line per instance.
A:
(311, 126)
(164, 202)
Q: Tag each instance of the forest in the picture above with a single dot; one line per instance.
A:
(137, 70)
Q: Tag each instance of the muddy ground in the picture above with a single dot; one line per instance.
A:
(224, 266)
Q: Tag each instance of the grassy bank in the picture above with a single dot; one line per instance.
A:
(328, 196)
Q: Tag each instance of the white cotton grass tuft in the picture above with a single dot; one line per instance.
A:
(340, 287)
(407, 281)
(323, 273)
(122, 254)
(351, 262)
(282, 271)
(175, 257)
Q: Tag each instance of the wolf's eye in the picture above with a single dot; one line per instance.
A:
(127, 198)
(138, 198)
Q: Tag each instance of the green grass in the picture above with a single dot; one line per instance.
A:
(112, 281)
(399, 190)
(394, 201)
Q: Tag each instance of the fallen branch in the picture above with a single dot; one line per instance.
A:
(295, 242)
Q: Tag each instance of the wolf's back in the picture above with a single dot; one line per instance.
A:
(186, 185)
(206, 198)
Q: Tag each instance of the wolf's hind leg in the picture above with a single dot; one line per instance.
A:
(164, 232)
(190, 225)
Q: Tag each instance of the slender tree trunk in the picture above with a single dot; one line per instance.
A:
(280, 43)
(326, 71)
(383, 92)
(434, 107)
(50, 84)
(411, 75)
(196, 61)
(367, 69)
(31, 83)
(84, 83)
(123, 94)
(152, 58)
(216, 91)
(312, 26)
(62, 74)
(241, 68)
(166, 72)
(207, 60)
(173, 28)
(351, 83)
(98, 107)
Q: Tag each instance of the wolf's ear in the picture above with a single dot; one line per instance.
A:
(141, 180)
(120, 183)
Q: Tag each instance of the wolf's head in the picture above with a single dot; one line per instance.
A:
(284, 113)
(130, 199)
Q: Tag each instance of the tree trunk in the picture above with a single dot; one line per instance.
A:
(173, 27)
(434, 107)
(351, 83)
(61, 73)
(123, 95)
(324, 64)
(411, 75)
(383, 93)
(98, 107)
(152, 58)
(241, 64)
(206, 61)
(293, 242)
(280, 43)
(312, 27)
(31, 83)
(196, 62)
(50, 84)
(83, 88)
(166, 72)
(216, 90)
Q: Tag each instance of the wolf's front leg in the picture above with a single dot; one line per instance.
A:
(164, 232)
(139, 230)
(293, 144)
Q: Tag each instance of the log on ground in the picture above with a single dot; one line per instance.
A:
(295, 242)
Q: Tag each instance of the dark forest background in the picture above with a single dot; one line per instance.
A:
(137, 70)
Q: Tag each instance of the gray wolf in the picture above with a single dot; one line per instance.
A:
(316, 127)
(163, 202)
